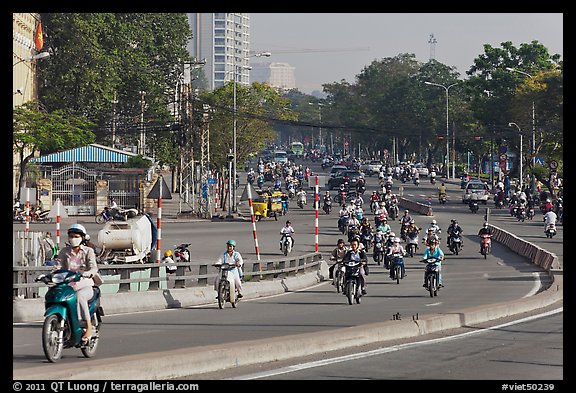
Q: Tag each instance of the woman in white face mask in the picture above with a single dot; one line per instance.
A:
(79, 258)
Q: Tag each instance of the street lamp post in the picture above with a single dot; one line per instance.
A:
(261, 54)
(521, 163)
(533, 116)
(37, 56)
(320, 120)
(447, 88)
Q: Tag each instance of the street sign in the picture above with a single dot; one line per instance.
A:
(553, 164)
(503, 157)
(211, 180)
(155, 191)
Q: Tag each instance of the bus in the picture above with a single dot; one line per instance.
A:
(297, 148)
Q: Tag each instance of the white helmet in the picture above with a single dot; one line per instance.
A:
(77, 228)
(396, 240)
(433, 222)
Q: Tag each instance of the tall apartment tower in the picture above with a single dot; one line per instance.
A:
(278, 75)
(223, 39)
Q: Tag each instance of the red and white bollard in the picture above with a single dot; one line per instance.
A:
(253, 224)
(316, 224)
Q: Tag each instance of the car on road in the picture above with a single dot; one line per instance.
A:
(422, 169)
(350, 176)
(371, 167)
(478, 188)
(337, 168)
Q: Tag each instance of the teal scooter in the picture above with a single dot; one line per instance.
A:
(62, 328)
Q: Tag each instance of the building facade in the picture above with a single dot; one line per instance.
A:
(223, 40)
(278, 75)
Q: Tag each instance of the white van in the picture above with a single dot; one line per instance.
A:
(280, 156)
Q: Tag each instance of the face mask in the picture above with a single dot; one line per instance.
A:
(74, 241)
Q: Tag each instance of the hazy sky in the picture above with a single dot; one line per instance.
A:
(353, 40)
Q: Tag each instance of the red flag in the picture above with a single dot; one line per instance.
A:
(38, 39)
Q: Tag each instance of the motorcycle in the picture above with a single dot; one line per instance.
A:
(338, 280)
(182, 253)
(397, 271)
(521, 213)
(455, 240)
(485, 244)
(19, 216)
(530, 213)
(107, 214)
(301, 200)
(411, 243)
(286, 244)
(327, 207)
(432, 180)
(353, 231)
(392, 209)
(550, 231)
(416, 181)
(250, 178)
(432, 275)
(366, 239)
(473, 205)
(442, 198)
(378, 252)
(352, 283)
(62, 327)
(343, 224)
(41, 216)
(227, 291)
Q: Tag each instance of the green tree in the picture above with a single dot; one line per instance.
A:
(108, 62)
(37, 130)
(257, 107)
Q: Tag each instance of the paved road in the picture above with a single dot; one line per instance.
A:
(470, 281)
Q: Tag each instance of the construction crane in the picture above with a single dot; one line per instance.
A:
(312, 50)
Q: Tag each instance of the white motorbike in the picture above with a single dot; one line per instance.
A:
(301, 200)
(227, 291)
(550, 230)
(286, 243)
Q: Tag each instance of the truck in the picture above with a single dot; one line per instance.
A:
(129, 241)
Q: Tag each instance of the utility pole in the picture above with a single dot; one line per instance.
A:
(114, 102)
(142, 144)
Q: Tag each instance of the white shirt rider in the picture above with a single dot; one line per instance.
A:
(550, 218)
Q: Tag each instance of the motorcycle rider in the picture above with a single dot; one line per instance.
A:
(434, 251)
(232, 257)
(77, 257)
(374, 199)
(485, 230)
(287, 230)
(337, 255)
(404, 222)
(357, 255)
(16, 208)
(441, 190)
(430, 236)
(453, 227)
(170, 267)
(396, 248)
(380, 214)
(549, 218)
(384, 227)
(301, 195)
(435, 228)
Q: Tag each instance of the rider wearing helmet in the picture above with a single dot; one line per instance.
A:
(485, 230)
(232, 257)
(396, 248)
(453, 227)
(170, 267)
(435, 228)
(433, 251)
(78, 257)
(336, 256)
(287, 231)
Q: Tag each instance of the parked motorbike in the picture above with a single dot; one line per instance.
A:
(62, 327)
(550, 231)
(286, 243)
(352, 283)
(455, 242)
(485, 244)
(397, 270)
(182, 253)
(108, 214)
(432, 275)
(227, 291)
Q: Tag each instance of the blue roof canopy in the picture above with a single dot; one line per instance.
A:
(90, 153)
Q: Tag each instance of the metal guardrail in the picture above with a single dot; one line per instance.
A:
(119, 278)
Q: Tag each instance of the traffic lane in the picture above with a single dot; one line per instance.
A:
(530, 349)
(470, 281)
